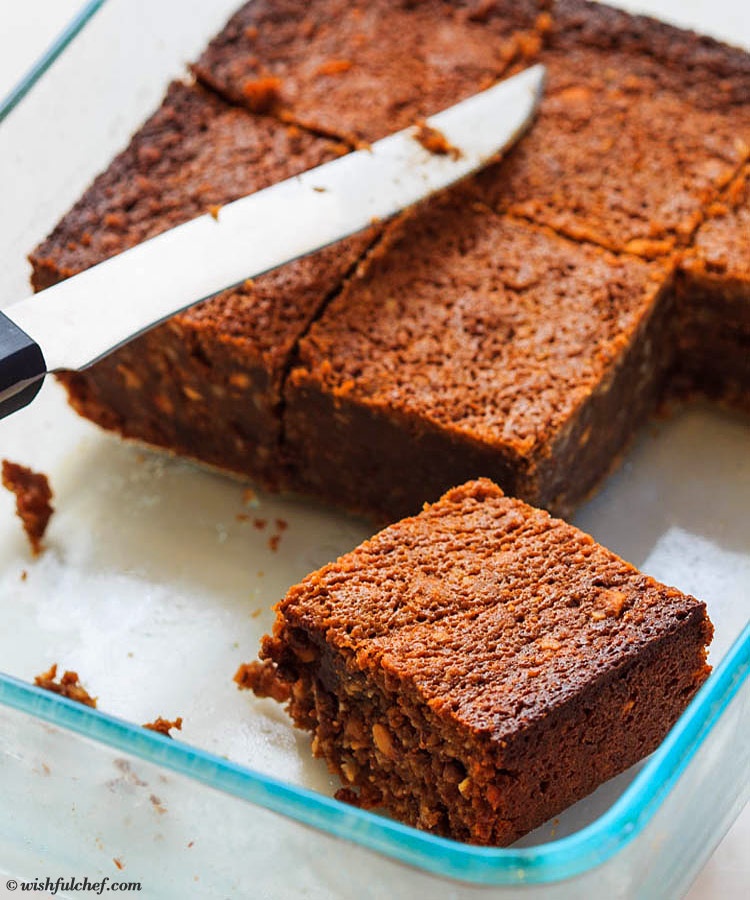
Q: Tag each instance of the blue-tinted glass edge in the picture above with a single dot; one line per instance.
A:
(38, 68)
(563, 858)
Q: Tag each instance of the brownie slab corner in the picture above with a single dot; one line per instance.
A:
(207, 383)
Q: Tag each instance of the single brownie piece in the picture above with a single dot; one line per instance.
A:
(478, 668)
(206, 384)
(475, 344)
(713, 294)
(641, 125)
(364, 71)
(33, 495)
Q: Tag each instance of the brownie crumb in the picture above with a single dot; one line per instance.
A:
(157, 804)
(273, 542)
(118, 863)
(24, 574)
(263, 94)
(214, 210)
(435, 141)
(163, 726)
(282, 524)
(33, 495)
(68, 686)
(263, 680)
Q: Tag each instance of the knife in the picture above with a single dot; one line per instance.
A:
(65, 327)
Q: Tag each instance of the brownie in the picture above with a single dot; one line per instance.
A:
(207, 383)
(476, 344)
(641, 125)
(33, 496)
(478, 668)
(713, 295)
(590, 280)
(364, 71)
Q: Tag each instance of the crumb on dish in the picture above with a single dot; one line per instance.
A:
(163, 726)
(262, 680)
(33, 495)
(68, 686)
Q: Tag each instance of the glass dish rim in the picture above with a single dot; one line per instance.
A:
(59, 44)
(557, 860)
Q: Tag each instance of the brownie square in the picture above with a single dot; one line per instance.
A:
(362, 71)
(474, 344)
(478, 668)
(207, 383)
(641, 125)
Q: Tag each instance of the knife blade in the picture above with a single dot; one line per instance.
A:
(66, 327)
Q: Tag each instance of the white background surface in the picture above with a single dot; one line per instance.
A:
(29, 26)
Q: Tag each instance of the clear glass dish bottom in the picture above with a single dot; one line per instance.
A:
(156, 584)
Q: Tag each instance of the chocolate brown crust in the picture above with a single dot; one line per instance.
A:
(711, 73)
(466, 698)
(409, 60)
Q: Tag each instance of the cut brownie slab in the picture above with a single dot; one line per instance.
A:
(532, 359)
(641, 125)
(475, 344)
(207, 383)
(362, 71)
(477, 668)
(713, 294)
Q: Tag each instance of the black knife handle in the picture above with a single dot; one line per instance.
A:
(22, 367)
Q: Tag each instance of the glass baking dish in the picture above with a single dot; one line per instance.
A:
(156, 583)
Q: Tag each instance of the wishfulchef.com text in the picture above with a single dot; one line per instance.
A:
(71, 885)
